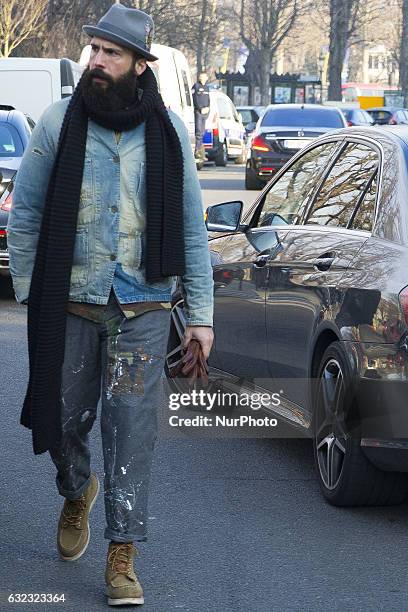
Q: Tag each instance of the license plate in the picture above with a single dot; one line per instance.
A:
(297, 143)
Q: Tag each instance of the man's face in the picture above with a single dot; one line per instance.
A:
(111, 60)
(203, 78)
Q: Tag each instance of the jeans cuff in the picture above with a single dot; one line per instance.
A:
(71, 495)
(111, 534)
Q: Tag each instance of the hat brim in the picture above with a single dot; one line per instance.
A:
(123, 42)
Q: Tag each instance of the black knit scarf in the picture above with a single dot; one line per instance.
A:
(50, 283)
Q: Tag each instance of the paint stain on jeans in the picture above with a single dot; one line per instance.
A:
(126, 373)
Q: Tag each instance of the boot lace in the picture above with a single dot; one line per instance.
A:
(73, 512)
(119, 558)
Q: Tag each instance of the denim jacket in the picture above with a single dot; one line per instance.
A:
(109, 245)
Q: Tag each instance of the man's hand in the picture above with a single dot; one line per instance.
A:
(204, 335)
(205, 110)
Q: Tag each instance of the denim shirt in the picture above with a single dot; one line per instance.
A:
(110, 236)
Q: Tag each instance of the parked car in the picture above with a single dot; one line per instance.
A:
(15, 132)
(224, 135)
(319, 311)
(357, 116)
(387, 115)
(250, 116)
(283, 130)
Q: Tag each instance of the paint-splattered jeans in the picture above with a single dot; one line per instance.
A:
(119, 361)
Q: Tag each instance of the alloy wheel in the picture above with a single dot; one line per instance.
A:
(330, 430)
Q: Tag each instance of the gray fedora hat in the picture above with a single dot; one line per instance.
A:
(127, 27)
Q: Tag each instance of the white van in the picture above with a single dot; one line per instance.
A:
(224, 136)
(173, 74)
(31, 84)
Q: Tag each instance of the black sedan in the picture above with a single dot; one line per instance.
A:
(284, 129)
(311, 301)
(15, 132)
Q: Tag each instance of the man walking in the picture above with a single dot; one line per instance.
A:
(106, 213)
(201, 101)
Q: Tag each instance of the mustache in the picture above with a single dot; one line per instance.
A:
(100, 74)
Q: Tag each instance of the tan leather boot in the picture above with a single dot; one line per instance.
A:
(122, 585)
(73, 527)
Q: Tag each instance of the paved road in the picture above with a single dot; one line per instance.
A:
(236, 525)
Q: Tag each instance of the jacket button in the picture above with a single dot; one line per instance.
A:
(113, 257)
(114, 209)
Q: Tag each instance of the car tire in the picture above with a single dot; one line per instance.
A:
(252, 182)
(221, 158)
(346, 477)
(242, 158)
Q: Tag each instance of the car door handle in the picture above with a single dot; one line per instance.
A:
(260, 261)
(323, 263)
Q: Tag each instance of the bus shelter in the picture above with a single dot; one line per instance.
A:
(283, 88)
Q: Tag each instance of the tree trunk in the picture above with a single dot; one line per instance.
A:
(339, 24)
(252, 72)
(403, 59)
(266, 61)
(201, 37)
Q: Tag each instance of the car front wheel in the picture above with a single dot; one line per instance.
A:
(346, 476)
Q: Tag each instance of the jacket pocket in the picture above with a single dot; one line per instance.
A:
(80, 264)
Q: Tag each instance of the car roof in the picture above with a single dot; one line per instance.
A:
(386, 108)
(313, 107)
(11, 114)
(394, 133)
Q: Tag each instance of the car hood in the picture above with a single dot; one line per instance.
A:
(291, 131)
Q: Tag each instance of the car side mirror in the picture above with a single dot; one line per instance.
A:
(250, 127)
(224, 217)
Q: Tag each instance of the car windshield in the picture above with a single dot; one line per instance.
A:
(302, 117)
(381, 114)
(10, 142)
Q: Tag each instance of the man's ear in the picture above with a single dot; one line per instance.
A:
(140, 66)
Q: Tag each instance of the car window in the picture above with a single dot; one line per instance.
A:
(287, 198)
(10, 141)
(363, 217)
(303, 117)
(247, 116)
(224, 109)
(343, 186)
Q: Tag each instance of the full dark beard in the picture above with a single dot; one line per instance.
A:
(114, 96)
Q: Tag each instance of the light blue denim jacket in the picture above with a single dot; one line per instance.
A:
(109, 245)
